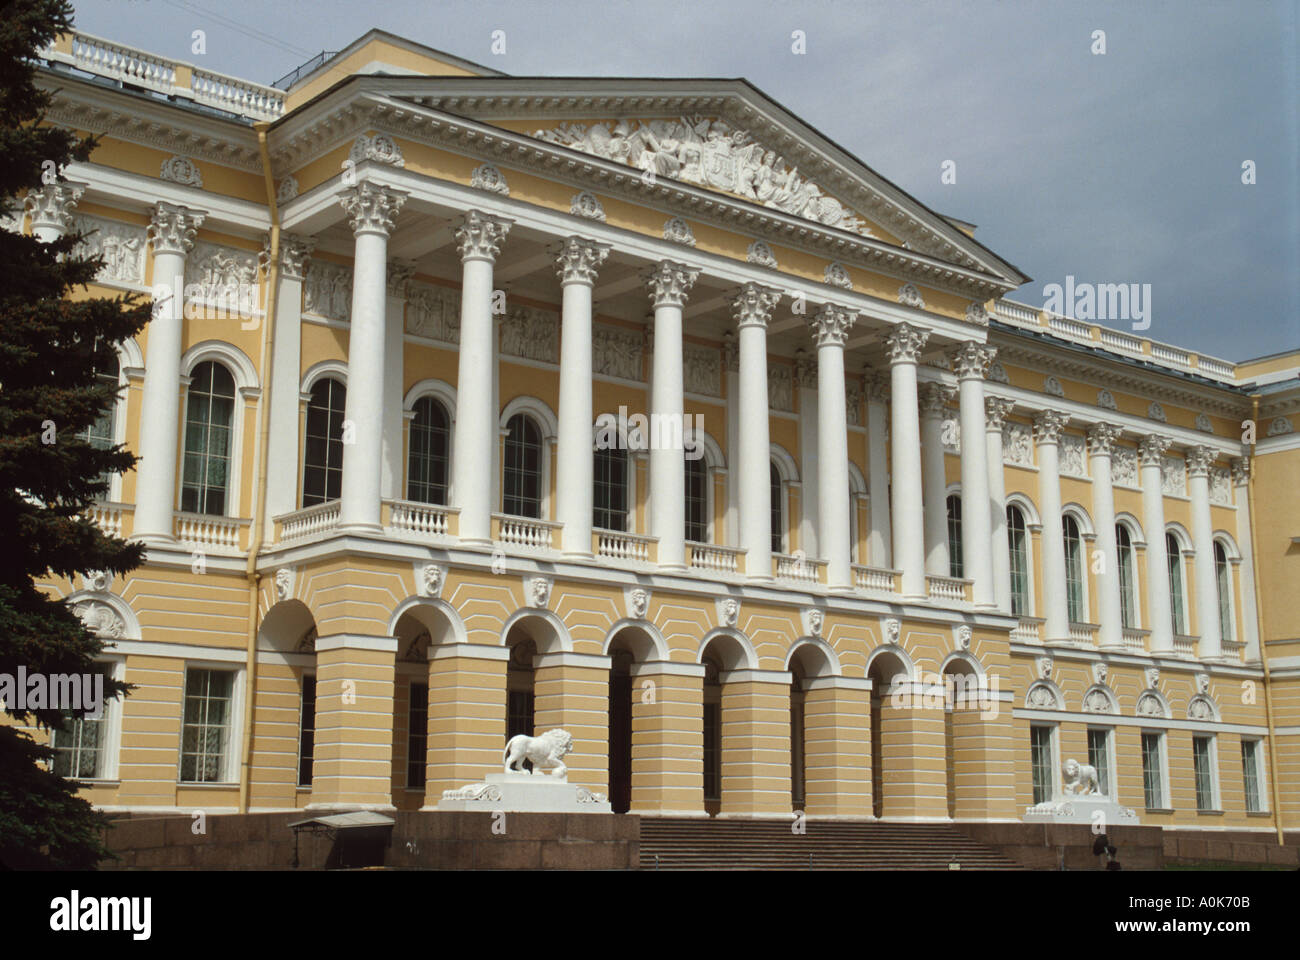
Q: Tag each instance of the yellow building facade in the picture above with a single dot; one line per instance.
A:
(912, 546)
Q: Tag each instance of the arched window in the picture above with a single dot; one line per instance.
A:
(1073, 569)
(209, 416)
(1018, 542)
(102, 434)
(522, 490)
(322, 475)
(697, 500)
(1223, 579)
(954, 536)
(778, 510)
(609, 495)
(430, 442)
(1127, 581)
(1177, 605)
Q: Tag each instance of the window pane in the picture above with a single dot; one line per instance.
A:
(1223, 580)
(430, 445)
(1073, 569)
(323, 446)
(206, 730)
(1204, 774)
(1152, 776)
(697, 501)
(1019, 548)
(209, 411)
(1177, 610)
(1250, 773)
(1127, 597)
(417, 736)
(609, 492)
(1041, 766)
(954, 537)
(522, 483)
(1099, 757)
(307, 731)
(778, 511)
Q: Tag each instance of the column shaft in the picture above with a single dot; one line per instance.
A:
(1159, 614)
(995, 410)
(286, 378)
(935, 480)
(970, 361)
(669, 284)
(905, 344)
(1047, 430)
(880, 540)
(832, 325)
(1109, 603)
(752, 310)
(1199, 460)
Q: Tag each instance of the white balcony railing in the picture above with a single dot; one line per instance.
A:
(309, 521)
(1185, 646)
(624, 547)
(420, 520)
(1083, 633)
(797, 569)
(714, 557)
(946, 589)
(173, 78)
(873, 578)
(1136, 640)
(211, 533)
(1016, 313)
(109, 517)
(1027, 630)
(1233, 649)
(1069, 328)
(526, 532)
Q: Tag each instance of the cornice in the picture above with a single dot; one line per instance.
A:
(1105, 370)
(343, 115)
(142, 119)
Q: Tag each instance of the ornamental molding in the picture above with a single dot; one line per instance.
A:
(172, 229)
(1151, 704)
(1106, 400)
(372, 208)
(1124, 471)
(616, 352)
(754, 304)
(1044, 695)
(1102, 438)
(905, 342)
(1157, 413)
(588, 206)
(996, 410)
(814, 619)
(677, 230)
(288, 189)
(1240, 471)
(327, 290)
(1018, 444)
(1221, 486)
(1100, 699)
(1279, 426)
(780, 387)
(670, 283)
(284, 584)
(379, 147)
(578, 259)
(1074, 462)
(832, 324)
(837, 276)
(970, 360)
(728, 611)
(1199, 461)
(181, 170)
(977, 313)
(430, 578)
(1151, 448)
(537, 591)
(1173, 476)
(909, 296)
(100, 619)
(1048, 426)
(295, 255)
(222, 274)
(51, 205)
(701, 370)
(490, 178)
(530, 334)
(760, 254)
(637, 600)
(1203, 423)
(998, 373)
(479, 235)
(122, 245)
(1052, 387)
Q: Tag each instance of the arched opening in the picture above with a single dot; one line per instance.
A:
(419, 629)
(629, 646)
(959, 676)
(521, 695)
(712, 734)
(209, 422)
(290, 629)
(428, 462)
(322, 472)
(808, 660)
(522, 486)
(885, 669)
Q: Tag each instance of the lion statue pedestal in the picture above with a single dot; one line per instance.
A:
(545, 790)
(1080, 801)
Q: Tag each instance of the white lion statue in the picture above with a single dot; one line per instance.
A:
(1080, 778)
(546, 752)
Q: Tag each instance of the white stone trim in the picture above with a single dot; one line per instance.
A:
(356, 641)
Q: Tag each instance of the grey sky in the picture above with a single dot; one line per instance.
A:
(1119, 168)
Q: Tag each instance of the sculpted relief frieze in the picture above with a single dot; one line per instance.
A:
(616, 353)
(433, 312)
(327, 290)
(122, 246)
(530, 334)
(710, 153)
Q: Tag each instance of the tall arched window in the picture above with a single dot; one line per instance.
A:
(697, 500)
(1223, 579)
(778, 510)
(322, 475)
(1018, 542)
(954, 536)
(522, 490)
(1073, 569)
(102, 434)
(1177, 605)
(609, 495)
(430, 442)
(1127, 582)
(209, 416)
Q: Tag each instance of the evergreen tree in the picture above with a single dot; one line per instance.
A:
(54, 336)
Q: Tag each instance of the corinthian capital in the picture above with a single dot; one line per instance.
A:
(934, 399)
(753, 306)
(172, 228)
(995, 412)
(577, 259)
(1199, 460)
(1152, 447)
(372, 208)
(51, 206)
(295, 252)
(905, 343)
(971, 359)
(480, 235)
(831, 325)
(1101, 439)
(1048, 426)
(670, 282)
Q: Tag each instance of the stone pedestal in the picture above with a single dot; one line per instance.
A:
(525, 793)
(1082, 808)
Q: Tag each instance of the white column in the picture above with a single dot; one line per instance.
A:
(1199, 461)
(969, 361)
(752, 310)
(479, 238)
(1151, 450)
(880, 540)
(1247, 622)
(1101, 442)
(172, 234)
(831, 327)
(669, 285)
(1047, 435)
(285, 449)
(577, 260)
(399, 277)
(371, 211)
(805, 385)
(905, 343)
(995, 413)
(50, 208)
(731, 388)
(934, 402)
